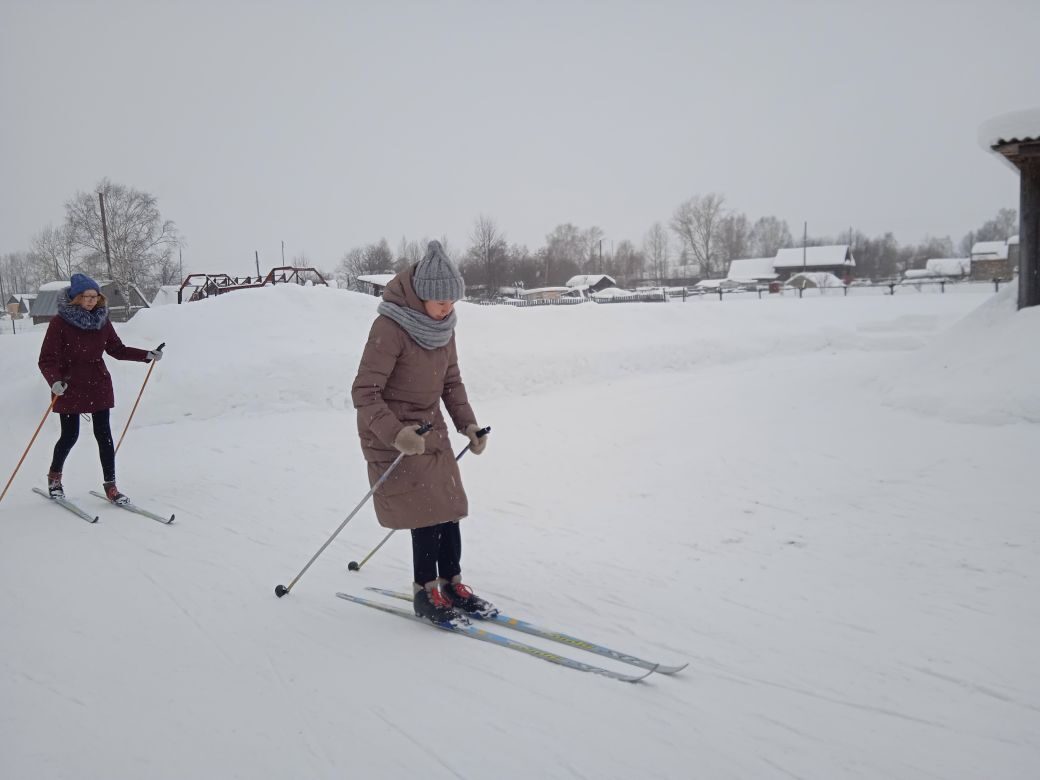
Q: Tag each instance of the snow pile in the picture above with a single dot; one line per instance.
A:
(974, 372)
(612, 292)
(818, 279)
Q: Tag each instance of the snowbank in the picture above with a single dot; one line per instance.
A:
(976, 372)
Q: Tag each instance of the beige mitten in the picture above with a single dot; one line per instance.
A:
(409, 442)
(476, 443)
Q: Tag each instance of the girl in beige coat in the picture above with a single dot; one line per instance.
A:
(409, 366)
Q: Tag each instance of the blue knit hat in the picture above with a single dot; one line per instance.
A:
(436, 278)
(80, 283)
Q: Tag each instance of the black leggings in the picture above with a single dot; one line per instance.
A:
(103, 434)
(436, 551)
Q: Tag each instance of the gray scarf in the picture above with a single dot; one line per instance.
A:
(425, 331)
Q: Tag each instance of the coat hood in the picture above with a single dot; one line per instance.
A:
(400, 291)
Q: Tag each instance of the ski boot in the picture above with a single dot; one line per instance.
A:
(54, 488)
(466, 602)
(431, 604)
(112, 494)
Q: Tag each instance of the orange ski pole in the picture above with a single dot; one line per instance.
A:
(143, 385)
(54, 398)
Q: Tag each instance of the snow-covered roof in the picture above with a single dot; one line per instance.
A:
(1016, 127)
(919, 273)
(815, 279)
(46, 286)
(815, 257)
(1012, 241)
(588, 280)
(989, 250)
(382, 280)
(533, 290)
(751, 269)
(949, 266)
(714, 284)
(613, 292)
(1003, 134)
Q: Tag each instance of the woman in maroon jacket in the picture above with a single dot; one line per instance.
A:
(71, 361)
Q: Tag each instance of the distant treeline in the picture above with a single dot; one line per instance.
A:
(701, 238)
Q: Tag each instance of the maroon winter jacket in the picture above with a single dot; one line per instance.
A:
(73, 355)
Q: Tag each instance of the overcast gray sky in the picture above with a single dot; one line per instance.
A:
(333, 124)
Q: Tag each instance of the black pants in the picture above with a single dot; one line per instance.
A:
(103, 434)
(436, 552)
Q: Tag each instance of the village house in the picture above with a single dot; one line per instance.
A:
(938, 268)
(989, 260)
(374, 284)
(18, 305)
(836, 259)
(752, 270)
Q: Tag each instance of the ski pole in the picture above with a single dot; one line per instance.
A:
(54, 399)
(281, 590)
(354, 565)
(146, 377)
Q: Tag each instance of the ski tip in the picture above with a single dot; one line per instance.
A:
(663, 669)
(168, 522)
(634, 678)
(96, 518)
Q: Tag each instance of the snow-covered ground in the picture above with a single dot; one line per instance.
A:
(826, 505)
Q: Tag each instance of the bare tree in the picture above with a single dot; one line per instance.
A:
(593, 260)
(655, 247)
(564, 254)
(696, 222)
(20, 274)
(53, 251)
(525, 269)
(768, 236)
(359, 261)
(628, 263)
(487, 255)
(1000, 228)
(140, 240)
(734, 238)
(409, 253)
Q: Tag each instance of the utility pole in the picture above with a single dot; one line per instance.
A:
(257, 253)
(180, 263)
(104, 232)
(805, 240)
(283, 253)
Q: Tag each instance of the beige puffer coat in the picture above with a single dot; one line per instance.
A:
(400, 384)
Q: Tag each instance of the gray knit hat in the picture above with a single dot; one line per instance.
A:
(436, 278)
